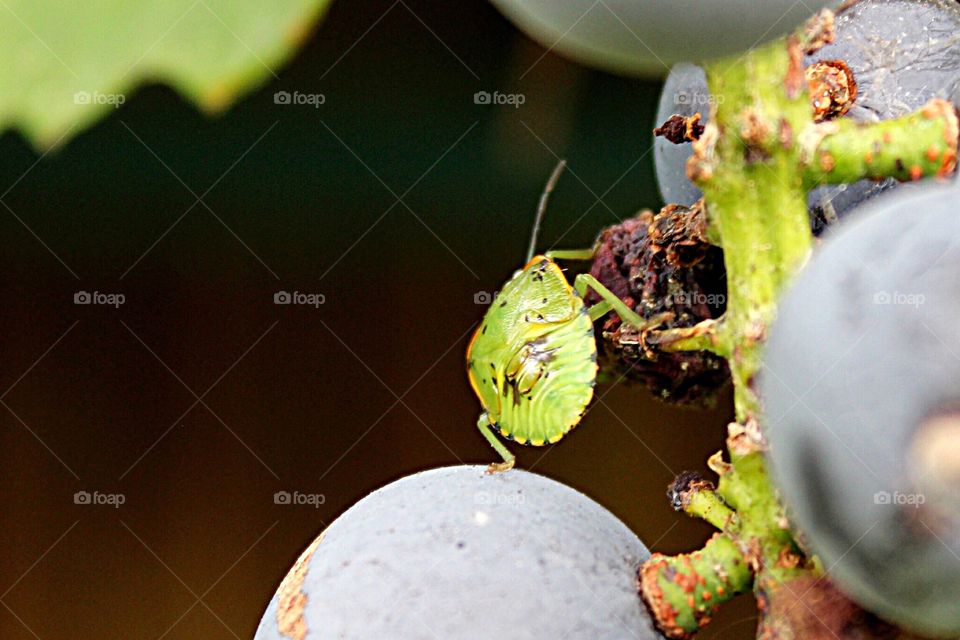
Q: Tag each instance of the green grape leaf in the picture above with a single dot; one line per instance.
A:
(67, 64)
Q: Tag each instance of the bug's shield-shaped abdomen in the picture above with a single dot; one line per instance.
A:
(532, 361)
(529, 365)
(548, 383)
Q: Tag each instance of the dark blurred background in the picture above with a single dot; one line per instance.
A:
(199, 398)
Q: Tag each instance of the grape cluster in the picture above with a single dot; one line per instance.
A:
(860, 383)
(901, 53)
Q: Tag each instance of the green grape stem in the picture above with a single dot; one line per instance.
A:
(843, 151)
(755, 163)
(700, 581)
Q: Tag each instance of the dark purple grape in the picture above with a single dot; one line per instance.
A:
(457, 553)
(633, 259)
(902, 54)
(861, 390)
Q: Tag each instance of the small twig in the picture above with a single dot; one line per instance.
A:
(698, 497)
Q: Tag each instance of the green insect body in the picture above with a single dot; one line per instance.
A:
(533, 361)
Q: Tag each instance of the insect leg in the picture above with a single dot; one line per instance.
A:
(706, 335)
(571, 254)
(611, 302)
(508, 459)
(599, 310)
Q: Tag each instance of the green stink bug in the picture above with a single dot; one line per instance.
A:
(533, 360)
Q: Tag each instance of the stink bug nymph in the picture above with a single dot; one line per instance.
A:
(533, 360)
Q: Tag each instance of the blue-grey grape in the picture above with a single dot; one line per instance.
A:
(684, 93)
(902, 54)
(861, 390)
(458, 554)
(645, 38)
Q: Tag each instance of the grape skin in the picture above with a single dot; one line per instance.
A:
(684, 93)
(457, 553)
(646, 37)
(902, 53)
(862, 353)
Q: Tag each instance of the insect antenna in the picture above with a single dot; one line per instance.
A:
(542, 207)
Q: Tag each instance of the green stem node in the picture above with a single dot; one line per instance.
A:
(683, 592)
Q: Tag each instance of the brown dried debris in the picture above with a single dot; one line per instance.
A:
(832, 87)
(754, 129)
(681, 234)
(679, 129)
(785, 135)
(718, 465)
(788, 559)
(819, 31)
(701, 165)
(755, 132)
(794, 80)
(745, 439)
(676, 273)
